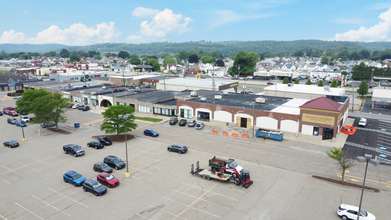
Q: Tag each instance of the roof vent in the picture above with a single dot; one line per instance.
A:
(82, 91)
(290, 84)
(218, 97)
(93, 93)
(203, 99)
(261, 100)
(193, 94)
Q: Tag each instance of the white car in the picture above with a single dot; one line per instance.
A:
(75, 106)
(25, 119)
(362, 122)
(350, 212)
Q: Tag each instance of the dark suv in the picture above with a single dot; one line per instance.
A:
(114, 162)
(102, 167)
(182, 122)
(85, 108)
(94, 187)
(180, 148)
(173, 121)
(47, 124)
(105, 141)
(73, 149)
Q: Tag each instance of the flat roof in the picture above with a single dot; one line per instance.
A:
(136, 77)
(291, 107)
(153, 96)
(207, 83)
(380, 95)
(308, 89)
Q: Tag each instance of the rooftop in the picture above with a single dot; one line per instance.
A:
(309, 89)
(207, 83)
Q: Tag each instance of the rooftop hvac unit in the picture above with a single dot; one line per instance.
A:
(203, 99)
(93, 93)
(290, 84)
(261, 100)
(193, 94)
(218, 97)
(104, 87)
(82, 91)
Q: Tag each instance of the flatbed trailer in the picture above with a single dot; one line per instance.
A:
(209, 174)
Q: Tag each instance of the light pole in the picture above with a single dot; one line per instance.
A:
(21, 123)
(253, 118)
(126, 143)
(368, 159)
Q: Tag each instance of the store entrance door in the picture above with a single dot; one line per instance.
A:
(327, 133)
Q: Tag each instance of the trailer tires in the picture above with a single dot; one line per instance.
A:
(234, 175)
(208, 178)
(204, 177)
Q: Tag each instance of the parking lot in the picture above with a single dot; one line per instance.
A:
(160, 185)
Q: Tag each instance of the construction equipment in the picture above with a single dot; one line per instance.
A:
(226, 166)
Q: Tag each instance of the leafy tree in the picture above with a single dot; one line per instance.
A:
(215, 54)
(208, 59)
(386, 56)
(343, 159)
(320, 83)
(363, 88)
(325, 60)
(64, 53)
(365, 54)
(246, 61)
(91, 53)
(50, 54)
(344, 73)
(334, 84)
(168, 60)
(181, 55)
(74, 58)
(25, 56)
(193, 58)
(83, 54)
(164, 55)
(28, 96)
(285, 80)
(124, 54)
(220, 63)
(155, 64)
(34, 54)
(112, 123)
(135, 60)
(297, 81)
(97, 56)
(355, 55)
(308, 82)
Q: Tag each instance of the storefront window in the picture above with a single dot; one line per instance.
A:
(203, 116)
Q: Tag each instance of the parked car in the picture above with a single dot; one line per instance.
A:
(105, 141)
(199, 126)
(180, 148)
(192, 123)
(9, 108)
(70, 106)
(13, 113)
(246, 91)
(11, 120)
(270, 83)
(102, 167)
(20, 124)
(11, 144)
(74, 177)
(151, 132)
(73, 149)
(108, 180)
(85, 108)
(350, 212)
(362, 122)
(95, 144)
(6, 112)
(94, 187)
(173, 121)
(1, 113)
(47, 124)
(25, 119)
(182, 122)
(80, 107)
(75, 106)
(114, 162)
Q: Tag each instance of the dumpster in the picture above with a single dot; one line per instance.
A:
(275, 135)
(77, 125)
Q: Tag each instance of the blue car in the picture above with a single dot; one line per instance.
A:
(74, 177)
(151, 132)
(20, 124)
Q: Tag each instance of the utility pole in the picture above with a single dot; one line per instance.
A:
(253, 118)
(213, 85)
(353, 96)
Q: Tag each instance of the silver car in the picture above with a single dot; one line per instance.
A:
(199, 125)
(192, 123)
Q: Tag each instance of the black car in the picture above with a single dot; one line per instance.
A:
(180, 148)
(11, 144)
(114, 162)
(173, 121)
(73, 149)
(80, 107)
(102, 167)
(47, 124)
(11, 120)
(192, 123)
(94, 187)
(182, 122)
(105, 141)
(1, 113)
(6, 112)
(85, 108)
(95, 144)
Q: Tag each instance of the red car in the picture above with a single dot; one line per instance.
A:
(8, 108)
(13, 113)
(270, 83)
(107, 179)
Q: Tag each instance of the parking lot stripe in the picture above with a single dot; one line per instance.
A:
(212, 192)
(148, 165)
(158, 154)
(53, 157)
(167, 212)
(52, 206)
(68, 197)
(3, 217)
(142, 216)
(140, 170)
(149, 158)
(200, 199)
(28, 210)
(367, 179)
(40, 161)
(27, 165)
(10, 170)
(190, 206)
(94, 121)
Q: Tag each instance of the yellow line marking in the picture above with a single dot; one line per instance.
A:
(53, 157)
(52, 206)
(10, 170)
(200, 199)
(177, 216)
(367, 179)
(3, 217)
(29, 166)
(28, 210)
(147, 165)
(388, 186)
(94, 121)
(68, 197)
(5, 180)
(142, 216)
(212, 192)
(40, 161)
(140, 170)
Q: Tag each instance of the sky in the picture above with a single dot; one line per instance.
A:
(86, 22)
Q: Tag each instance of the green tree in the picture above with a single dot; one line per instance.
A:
(155, 64)
(246, 61)
(25, 56)
(343, 159)
(208, 59)
(91, 53)
(325, 60)
(74, 58)
(83, 54)
(320, 83)
(365, 54)
(308, 82)
(193, 58)
(50, 54)
(297, 81)
(112, 123)
(135, 60)
(344, 73)
(168, 60)
(334, 84)
(28, 97)
(363, 88)
(124, 54)
(285, 80)
(64, 53)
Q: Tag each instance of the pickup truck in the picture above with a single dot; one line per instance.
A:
(227, 166)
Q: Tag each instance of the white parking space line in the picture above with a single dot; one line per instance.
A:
(131, 175)
(5, 180)
(190, 206)
(68, 198)
(148, 165)
(27, 165)
(40, 161)
(55, 157)
(3, 217)
(29, 211)
(10, 170)
(149, 158)
(212, 192)
(52, 206)
(142, 216)
(177, 216)
(200, 199)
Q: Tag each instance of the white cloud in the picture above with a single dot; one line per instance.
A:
(379, 6)
(227, 16)
(27, 12)
(134, 38)
(378, 32)
(76, 34)
(162, 24)
(144, 12)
